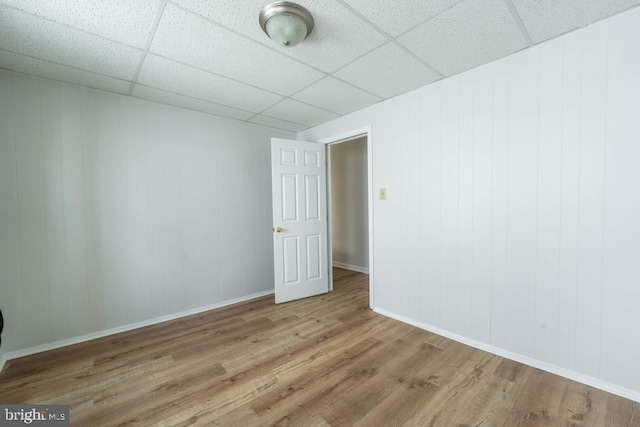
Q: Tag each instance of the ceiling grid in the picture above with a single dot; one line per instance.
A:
(212, 56)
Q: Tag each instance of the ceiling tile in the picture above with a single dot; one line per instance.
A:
(37, 37)
(334, 95)
(472, 33)
(41, 68)
(298, 112)
(171, 76)
(397, 17)
(337, 38)
(545, 19)
(278, 124)
(161, 96)
(126, 21)
(193, 40)
(388, 71)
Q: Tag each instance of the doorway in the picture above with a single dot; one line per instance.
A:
(348, 204)
(352, 249)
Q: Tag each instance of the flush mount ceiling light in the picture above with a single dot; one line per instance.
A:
(286, 23)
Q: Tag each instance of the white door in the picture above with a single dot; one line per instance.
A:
(298, 180)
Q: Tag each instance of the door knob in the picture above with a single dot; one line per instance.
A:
(278, 229)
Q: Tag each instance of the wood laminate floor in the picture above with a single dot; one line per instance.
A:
(326, 360)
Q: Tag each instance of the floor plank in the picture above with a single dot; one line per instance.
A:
(321, 361)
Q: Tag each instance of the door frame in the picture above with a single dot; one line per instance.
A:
(365, 131)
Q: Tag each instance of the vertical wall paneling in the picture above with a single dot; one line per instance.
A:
(266, 222)
(110, 210)
(228, 216)
(429, 205)
(450, 165)
(499, 201)
(385, 219)
(252, 233)
(91, 177)
(522, 222)
(241, 230)
(11, 291)
(156, 239)
(213, 209)
(233, 224)
(139, 163)
(32, 210)
(570, 154)
(397, 180)
(191, 156)
(131, 200)
(410, 177)
(228, 225)
(264, 231)
(591, 197)
(170, 145)
(257, 233)
(620, 349)
(111, 228)
(549, 159)
(203, 238)
(482, 198)
(54, 200)
(465, 205)
(75, 225)
(553, 187)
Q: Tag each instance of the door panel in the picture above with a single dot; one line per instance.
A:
(289, 197)
(312, 197)
(291, 258)
(299, 219)
(314, 263)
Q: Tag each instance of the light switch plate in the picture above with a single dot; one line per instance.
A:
(383, 194)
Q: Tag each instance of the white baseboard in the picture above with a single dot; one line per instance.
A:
(100, 334)
(566, 373)
(357, 268)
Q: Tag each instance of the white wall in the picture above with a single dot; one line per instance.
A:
(349, 217)
(115, 210)
(513, 211)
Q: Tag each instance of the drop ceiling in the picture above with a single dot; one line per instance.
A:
(212, 56)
